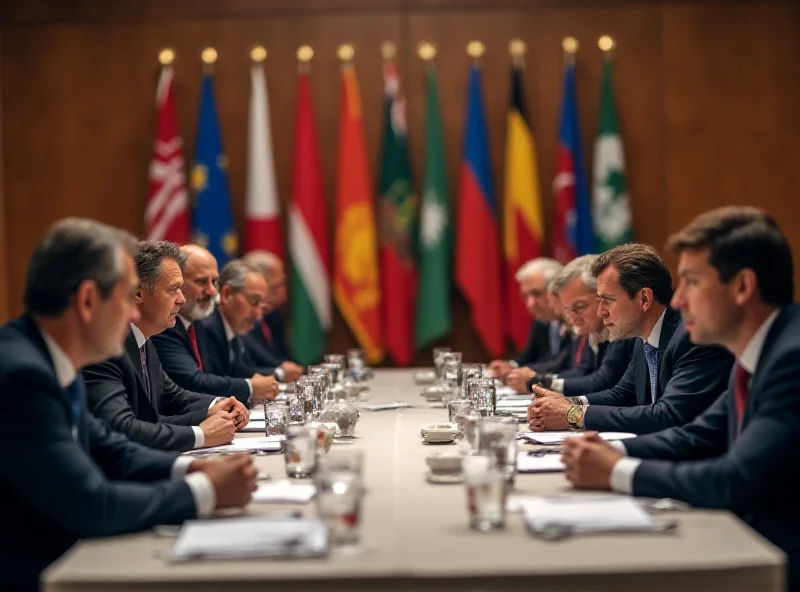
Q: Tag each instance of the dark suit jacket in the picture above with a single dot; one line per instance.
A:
(55, 489)
(116, 394)
(756, 475)
(538, 355)
(259, 350)
(691, 377)
(611, 362)
(582, 358)
(177, 358)
(276, 349)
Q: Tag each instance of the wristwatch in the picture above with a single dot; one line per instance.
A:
(575, 417)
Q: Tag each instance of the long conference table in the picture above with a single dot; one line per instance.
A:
(416, 536)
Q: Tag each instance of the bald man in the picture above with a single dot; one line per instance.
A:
(266, 343)
(181, 348)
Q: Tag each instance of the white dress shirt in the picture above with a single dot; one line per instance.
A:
(624, 469)
(205, 498)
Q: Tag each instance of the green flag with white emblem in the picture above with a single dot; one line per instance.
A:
(435, 232)
(611, 208)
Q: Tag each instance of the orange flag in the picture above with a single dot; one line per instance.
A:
(356, 283)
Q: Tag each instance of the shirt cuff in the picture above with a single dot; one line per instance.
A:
(513, 364)
(213, 402)
(557, 385)
(583, 400)
(622, 475)
(279, 374)
(180, 466)
(205, 498)
(199, 436)
(249, 385)
(619, 446)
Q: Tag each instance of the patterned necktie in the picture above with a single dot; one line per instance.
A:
(76, 396)
(582, 341)
(651, 355)
(193, 338)
(145, 375)
(741, 388)
(266, 332)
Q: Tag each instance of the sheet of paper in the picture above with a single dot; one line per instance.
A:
(384, 406)
(252, 536)
(587, 514)
(239, 444)
(559, 437)
(547, 463)
(516, 403)
(284, 492)
(504, 391)
(254, 425)
(257, 413)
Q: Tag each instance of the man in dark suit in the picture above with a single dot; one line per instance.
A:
(183, 349)
(133, 394)
(242, 296)
(736, 290)
(548, 335)
(598, 363)
(66, 475)
(669, 382)
(266, 342)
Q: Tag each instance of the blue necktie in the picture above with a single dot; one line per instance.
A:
(651, 355)
(76, 394)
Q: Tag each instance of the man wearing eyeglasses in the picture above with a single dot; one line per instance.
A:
(184, 350)
(242, 297)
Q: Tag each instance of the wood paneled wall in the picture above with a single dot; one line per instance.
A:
(708, 96)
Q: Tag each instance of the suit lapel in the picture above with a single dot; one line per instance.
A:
(135, 357)
(154, 372)
(642, 375)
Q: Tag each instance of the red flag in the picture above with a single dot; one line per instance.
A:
(167, 216)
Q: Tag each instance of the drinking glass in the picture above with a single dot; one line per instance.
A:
(471, 430)
(339, 493)
(482, 393)
(486, 493)
(300, 452)
(452, 371)
(458, 410)
(336, 361)
(497, 439)
(438, 361)
(276, 418)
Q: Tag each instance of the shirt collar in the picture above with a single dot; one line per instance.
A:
(229, 333)
(594, 343)
(655, 334)
(140, 338)
(65, 371)
(752, 351)
(186, 323)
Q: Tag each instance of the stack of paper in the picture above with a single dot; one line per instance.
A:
(384, 406)
(545, 463)
(266, 444)
(257, 414)
(284, 492)
(559, 437)
(250, 537)
(586, 513)
(254, 425)
(505, 391)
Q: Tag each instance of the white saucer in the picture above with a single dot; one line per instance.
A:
(444, 478)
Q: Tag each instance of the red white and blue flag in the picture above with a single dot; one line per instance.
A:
(478, 272)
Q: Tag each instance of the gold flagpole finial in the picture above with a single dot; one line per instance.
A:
(258, 54)
(305, 53)
(607, 44)
(570, 45)
(388, 51)
(166, 56)
(476, 49)
(209, 55)
(346, 52)
(426, 51)
(517, 49)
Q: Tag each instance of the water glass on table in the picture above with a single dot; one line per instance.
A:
(340, 490)
(276, 418)
(300, 452)
(486, 493)
(497, 440)
(337, 363)
(438, 361)
(458, 410)
(482, 393)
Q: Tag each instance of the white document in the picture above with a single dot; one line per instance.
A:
(546, 463)
(257, 414)
(559, 437)
(266, 444)
(254, 425)
(504, 391)
(586, 513)
(383, 406)
(253, 536)
(515, 403)
(284, 492)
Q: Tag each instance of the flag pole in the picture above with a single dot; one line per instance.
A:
(304, 55)
(570, 46)
(608, 45)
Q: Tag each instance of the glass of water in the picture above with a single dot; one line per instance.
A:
(300, 452)
(497, 440)
(486, 493)
(355, 363)
(339, 493)
(336, 361)
(438, 361)
(458, 411)
(482, 393)
(276, 418)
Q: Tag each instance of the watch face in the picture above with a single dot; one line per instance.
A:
(574, 415)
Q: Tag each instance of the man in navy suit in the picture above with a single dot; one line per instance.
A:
(133, 394)
(266, 343)
(598, 362)
(242, 297)
(669, 382)
(183, 349)
(549, 338)
(736, 290)
(67, 476)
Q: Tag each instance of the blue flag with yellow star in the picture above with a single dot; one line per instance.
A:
(213, 219)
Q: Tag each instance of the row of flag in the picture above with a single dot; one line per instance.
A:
(395, 257)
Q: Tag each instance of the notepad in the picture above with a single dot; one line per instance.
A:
(265, 444)
(284, 492)
(504, 391)
(253, 536)
(257, 414)
(254, 425)
(384, 406)
(556, 437)
(547, 463)
(586, 513)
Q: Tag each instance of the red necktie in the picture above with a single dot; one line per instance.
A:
(581, 345)
(741, 386)
(267, 333)
(193, 339)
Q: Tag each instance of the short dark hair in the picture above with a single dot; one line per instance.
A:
(149, 258)
(72, 251)
(639, 266)
(743, 237)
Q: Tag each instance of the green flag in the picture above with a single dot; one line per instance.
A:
(611, 208)
(435, 234)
